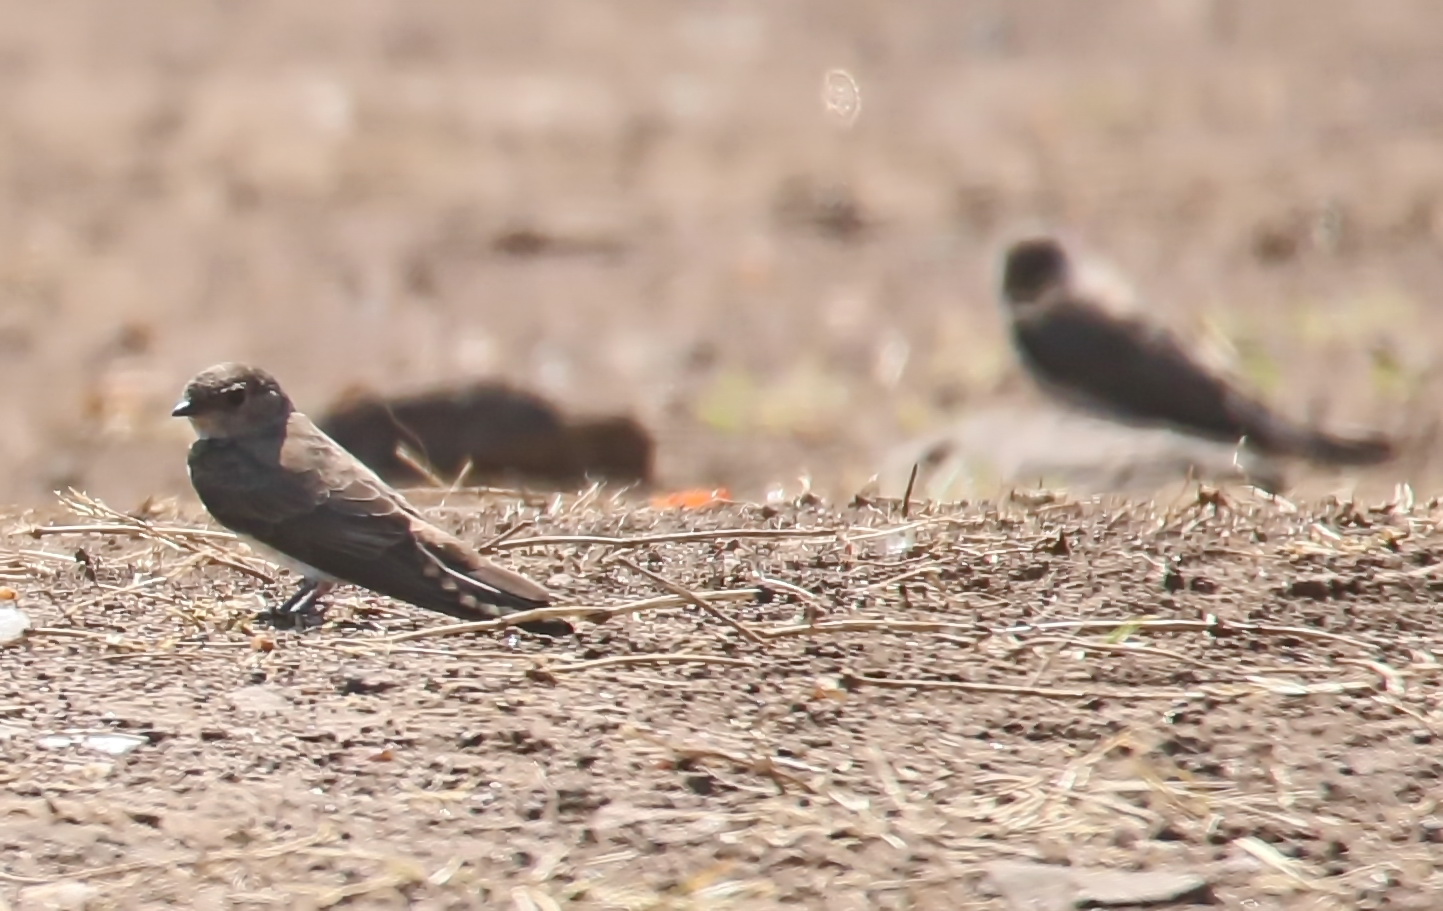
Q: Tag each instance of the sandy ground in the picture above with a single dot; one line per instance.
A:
(1238, 692)
(672, 211)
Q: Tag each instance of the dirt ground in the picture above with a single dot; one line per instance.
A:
(678, 211)
(881, 709)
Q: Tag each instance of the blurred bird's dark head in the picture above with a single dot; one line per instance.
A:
(1032, 268)
(231, 400)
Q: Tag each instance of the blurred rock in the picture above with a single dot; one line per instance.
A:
(65, 895)
(1050, 887)
(503, 433)
(563, 233)
(617, 448)
(1003, 446)
(828, 208)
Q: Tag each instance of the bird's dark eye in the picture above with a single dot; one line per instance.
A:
(233, 397)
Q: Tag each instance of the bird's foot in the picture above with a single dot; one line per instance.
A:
(300, 610)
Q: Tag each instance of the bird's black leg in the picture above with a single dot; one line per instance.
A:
(299, 603)
(303, 598)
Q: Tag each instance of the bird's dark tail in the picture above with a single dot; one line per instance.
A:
(1333, 450)
(1270, 433)
(1321, 447)
(460, 583)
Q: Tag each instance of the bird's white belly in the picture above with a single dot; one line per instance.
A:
(290, 563)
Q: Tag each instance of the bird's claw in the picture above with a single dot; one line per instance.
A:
(300, 610)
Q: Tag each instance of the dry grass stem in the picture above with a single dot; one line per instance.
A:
(857, 679)
(191, 540)
(299, 844)
(689, 537)
(858, 626)
(593, 614)
(781, 585)
(694, 599)
(640, 660)
(1214, 625)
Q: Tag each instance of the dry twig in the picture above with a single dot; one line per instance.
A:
(856, 679)
(114, 522)
(694, 599)
(634, 660)
(594, 614)
(681, 537)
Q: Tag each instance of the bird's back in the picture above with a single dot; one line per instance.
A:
(1125, 368)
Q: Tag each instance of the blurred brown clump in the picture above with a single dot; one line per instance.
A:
(490, 432)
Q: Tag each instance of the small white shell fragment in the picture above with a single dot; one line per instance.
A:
(109, 743)
(14, 624)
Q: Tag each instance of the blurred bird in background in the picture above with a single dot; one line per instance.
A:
(1084, 353)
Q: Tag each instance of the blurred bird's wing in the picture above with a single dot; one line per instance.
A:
(1128, 368)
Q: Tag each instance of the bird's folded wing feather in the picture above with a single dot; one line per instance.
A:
(1130, 367)
(295, 511)
(502, 585)
(349, 524)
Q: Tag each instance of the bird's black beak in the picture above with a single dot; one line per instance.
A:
(183, 409)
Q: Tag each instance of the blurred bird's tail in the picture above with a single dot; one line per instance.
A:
(1332, 450)
(1324, 448)
(1270, 433)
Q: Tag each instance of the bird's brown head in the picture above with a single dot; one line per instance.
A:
(230, 400)
(1032, 268)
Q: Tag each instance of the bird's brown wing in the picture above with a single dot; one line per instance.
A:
(314, 503)
(1133, 371)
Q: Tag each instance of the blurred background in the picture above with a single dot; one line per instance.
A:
(677, 212)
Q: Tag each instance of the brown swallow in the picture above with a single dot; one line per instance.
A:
(266, 472)
(1136, 372)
